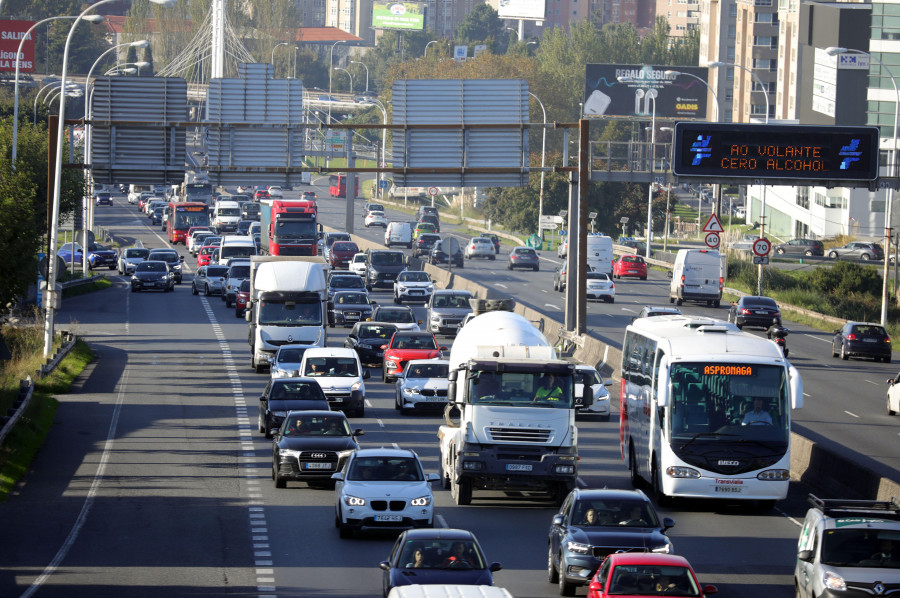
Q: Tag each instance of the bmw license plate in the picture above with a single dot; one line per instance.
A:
(317, 466)
(518, 467)
(388, 518)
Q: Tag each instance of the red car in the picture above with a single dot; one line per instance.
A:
(241, 298)
(646, 574)
(341, 253)
(404, 346)
(630, 265)
(204, 256)
(261, 194)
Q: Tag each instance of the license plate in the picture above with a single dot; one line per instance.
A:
(518, 467)
(351, 316)
(729, 489)
(388, 518)
(870, 340)
(417, 292)
(436, 399)
(317, 466)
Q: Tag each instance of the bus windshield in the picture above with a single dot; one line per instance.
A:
(295, 230)
(521, 389)
(729, 401)
(185, 220)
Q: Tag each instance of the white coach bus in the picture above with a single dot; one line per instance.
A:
(706, 410)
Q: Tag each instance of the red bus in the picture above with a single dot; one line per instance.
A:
(182, 216)
(337, 186)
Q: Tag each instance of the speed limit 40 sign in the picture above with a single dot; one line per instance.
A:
(762, 247)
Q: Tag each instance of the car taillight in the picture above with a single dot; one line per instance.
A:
(721, 282)
(851, 337)
(745, 311)
(887, 339)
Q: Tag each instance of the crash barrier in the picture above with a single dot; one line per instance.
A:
(26, 387)
(811, 463)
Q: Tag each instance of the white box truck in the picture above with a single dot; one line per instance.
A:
(600, 253)
(698, 275)
(516, 424)
(287, 305)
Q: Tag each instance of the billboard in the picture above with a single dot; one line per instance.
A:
(522, 9)
(398, 15)
(647, 88)
(11, 33)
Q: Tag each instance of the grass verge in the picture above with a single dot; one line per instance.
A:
(18, 450)
(97, 285)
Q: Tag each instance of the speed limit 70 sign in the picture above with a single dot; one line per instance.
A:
(762, 247)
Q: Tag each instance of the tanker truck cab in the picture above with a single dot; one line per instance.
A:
(287, 306)
(511, 423)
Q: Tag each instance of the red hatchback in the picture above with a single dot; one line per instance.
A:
(204, 256)
(261, 194)
(630, 265)
(341, 253)
(406, 345)
(241, 298)
(646, 574)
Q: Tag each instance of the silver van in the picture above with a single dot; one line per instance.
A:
(398, 233)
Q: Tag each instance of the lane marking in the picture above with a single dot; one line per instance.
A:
(851, 414)
(550, 305)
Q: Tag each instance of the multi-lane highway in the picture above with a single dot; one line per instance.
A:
(155, 482)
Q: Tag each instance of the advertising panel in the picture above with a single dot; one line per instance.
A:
(638, 90)
(398, 15)
(11, 33)
(522, 9)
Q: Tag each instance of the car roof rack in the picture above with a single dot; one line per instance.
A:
(884, 509)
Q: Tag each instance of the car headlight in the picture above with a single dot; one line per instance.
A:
(290, 454)
(833, 581)
(663, 549)
(578, 547)
(345, 454)
(279, 413)
(354, 501)
(435, 317)
(422, 501)
(430, 287)
(356, 386)
(413, 390)
(390, 364)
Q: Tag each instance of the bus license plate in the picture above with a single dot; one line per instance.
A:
(518, 467)
(388, 518)
(317, 465)
(729, 489)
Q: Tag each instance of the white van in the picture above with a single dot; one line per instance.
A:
(600, 253)
(398, 233)
(235, 246)
(340, 374)
(448, 591)
(699, 275)
(226, 216)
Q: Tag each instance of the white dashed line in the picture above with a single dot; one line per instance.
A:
(851, 414)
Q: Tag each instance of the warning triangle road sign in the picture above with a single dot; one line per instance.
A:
(713, 225)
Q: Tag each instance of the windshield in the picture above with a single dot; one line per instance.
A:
(239, 272)
(332, 239)
(351, 298)
(294, 355)
(387, 259)
(317, 425)
(347, 282)
(289, 390)
(216, 271)
(861, 547)
(290, 313)
(136, 253)
(151, 267)
(165, 256)
(415, 276)
(185, 220)
(414, 341)
(427, 370)
(452, 555)
(521, 389)
(344, 246)
(652, 580)
(401, 316)
(385, 469)
(228, 212)
(377, 331)
(229, 251)
(452, 300)
(340, 367)
(294, 230)
(613, 512)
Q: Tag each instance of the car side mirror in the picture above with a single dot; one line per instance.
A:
(710, 589)
(384, 566)
(384, 346)
(339, 476)
(276, 432)
(805, 555)
(366, 375)
(443, 348)
(595, 586)
(557, 520)
(359, 432)
(668, 523)
(262, 397)
(432, 477)
(182, 258)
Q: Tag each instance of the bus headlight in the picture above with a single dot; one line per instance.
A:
(774, 475)
(682, 472)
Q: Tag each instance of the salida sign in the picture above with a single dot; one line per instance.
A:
(11, 34)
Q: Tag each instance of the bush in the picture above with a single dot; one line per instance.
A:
(845, 278)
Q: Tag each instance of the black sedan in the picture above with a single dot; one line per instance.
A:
(423, 244)
(439, 256)
(288, 394)
(310, 446)
(592, 524)
(152, 274)
(862, 339)
(437, 556)
(347, 308)
(523, 257)
(366, 339)
(753, 310)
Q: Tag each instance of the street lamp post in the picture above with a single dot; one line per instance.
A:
(762, 216)
(367, 72)
(272, 59)
(337, 68)
(330, 71)
(668, 196)
(119, 70)
(425, 53)
(833, 51)
(15, 136)
(514, 31)
(383, 145)
(57, 183)
(49, 88)
(651, 94)
(543, 155)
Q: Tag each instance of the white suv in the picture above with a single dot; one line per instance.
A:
(340, 374)
(480, 247)
(848, 547)
(383, 489)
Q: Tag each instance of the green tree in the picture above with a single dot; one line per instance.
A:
(131, 56)
(482, 25)
(86, 45)
(149, 70)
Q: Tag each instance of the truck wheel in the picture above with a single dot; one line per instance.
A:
(461, 491)
(258, 367)
(445, 477)
(678, 302)
(552, 573)
(632, 468)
